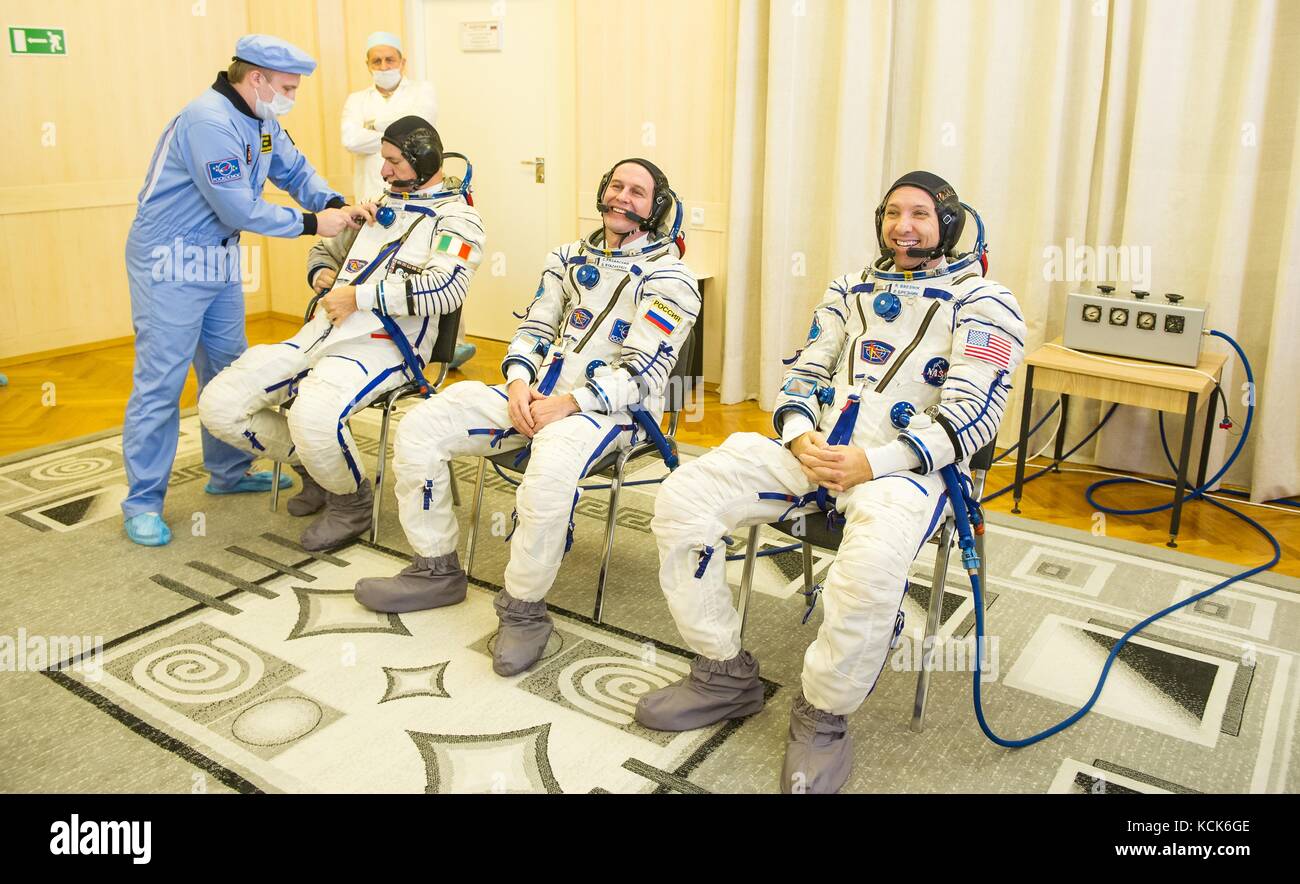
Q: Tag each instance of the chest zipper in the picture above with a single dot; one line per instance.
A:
(853, 351)
(920, 333)
(603, 313)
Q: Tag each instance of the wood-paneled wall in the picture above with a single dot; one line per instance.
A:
(65, 208)
(676, 110)
(81, 129)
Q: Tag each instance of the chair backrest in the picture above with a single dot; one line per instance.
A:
(983, 459)
(680, 380)
(444, 346)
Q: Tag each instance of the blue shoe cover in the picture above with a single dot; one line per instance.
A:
(464, 353)
(148, 529)
(251, 483)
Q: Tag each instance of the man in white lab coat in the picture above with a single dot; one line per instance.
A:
(391, 96)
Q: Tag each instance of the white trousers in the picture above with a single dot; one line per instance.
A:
(471, 418)
(239, 406)
(887, 521)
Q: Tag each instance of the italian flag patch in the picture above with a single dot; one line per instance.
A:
(454, 245)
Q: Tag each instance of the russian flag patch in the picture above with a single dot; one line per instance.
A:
(663, 317)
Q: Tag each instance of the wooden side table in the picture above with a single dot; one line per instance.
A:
(1128, 382)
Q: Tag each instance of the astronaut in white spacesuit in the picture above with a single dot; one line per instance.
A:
(385, 287)
(907, 369)
(601, 335)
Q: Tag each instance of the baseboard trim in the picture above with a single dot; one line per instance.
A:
(88, 347)
(91, 346)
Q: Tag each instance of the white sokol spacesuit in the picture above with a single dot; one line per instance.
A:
(605, 326)
(415, 270)
(913, 368)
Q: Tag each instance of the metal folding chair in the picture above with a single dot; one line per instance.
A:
(812, 531)
(444, 348)
(611, 466)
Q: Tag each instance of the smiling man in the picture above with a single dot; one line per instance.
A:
(602, 334)
(907, 369)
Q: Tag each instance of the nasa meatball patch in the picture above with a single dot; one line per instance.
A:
(936, 371)
(224, 170)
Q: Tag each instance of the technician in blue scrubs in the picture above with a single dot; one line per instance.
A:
(203, 187)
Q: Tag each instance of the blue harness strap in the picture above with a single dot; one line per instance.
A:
(841, 433)
(705, 555)
(496, 433)
(654, 434)
(414, 366)
(796, 501)
(552, 375)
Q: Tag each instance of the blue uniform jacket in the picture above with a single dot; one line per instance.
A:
(205, 179)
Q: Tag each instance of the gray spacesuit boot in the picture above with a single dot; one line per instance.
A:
(310, 499)
(819, 752)
(428, 582)
(525, 628)
(713, 691)
(346, 516)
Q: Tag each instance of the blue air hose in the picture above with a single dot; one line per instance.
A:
(970, 561)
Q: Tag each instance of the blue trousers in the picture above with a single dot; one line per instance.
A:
(177, 323)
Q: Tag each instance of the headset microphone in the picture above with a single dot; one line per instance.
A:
(627, 213)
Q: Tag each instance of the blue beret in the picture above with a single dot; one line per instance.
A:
(266, 51)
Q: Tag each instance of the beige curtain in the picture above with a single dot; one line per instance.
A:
(1169, 126)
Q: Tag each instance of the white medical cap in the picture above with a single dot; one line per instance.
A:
(383, 38)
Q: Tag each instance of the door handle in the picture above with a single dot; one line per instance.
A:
(539, 168)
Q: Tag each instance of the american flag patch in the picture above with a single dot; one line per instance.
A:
(989, 347)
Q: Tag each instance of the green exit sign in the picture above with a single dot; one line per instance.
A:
(37, 41)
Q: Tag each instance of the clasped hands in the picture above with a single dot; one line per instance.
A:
(531, 410)
(833, 467)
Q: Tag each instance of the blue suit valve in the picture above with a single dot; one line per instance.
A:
(587, 276)
(386, 216)
(887, 306)
(901, 414)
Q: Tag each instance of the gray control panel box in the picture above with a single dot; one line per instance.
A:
(1158, 329)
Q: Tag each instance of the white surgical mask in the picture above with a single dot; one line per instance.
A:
(278, 106)
(387, 79)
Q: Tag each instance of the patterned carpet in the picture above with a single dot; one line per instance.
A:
(232, 660)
